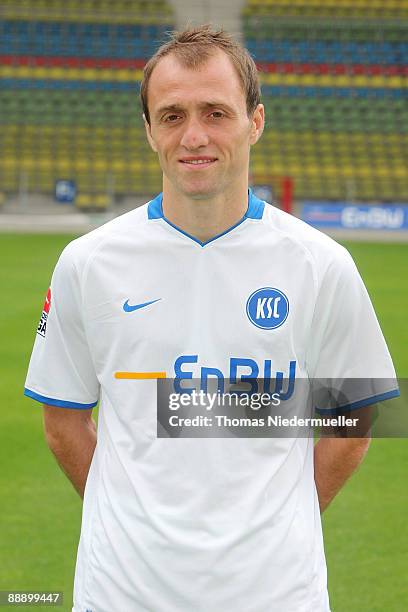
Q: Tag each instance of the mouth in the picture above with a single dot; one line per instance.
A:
(196, 163)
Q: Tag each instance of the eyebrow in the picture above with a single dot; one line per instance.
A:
(203, 105)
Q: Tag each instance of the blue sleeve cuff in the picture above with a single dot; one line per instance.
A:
(56, 402)
(360, 404)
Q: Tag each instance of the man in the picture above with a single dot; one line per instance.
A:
(211, 524)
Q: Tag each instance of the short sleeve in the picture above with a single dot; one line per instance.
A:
(346, 347)
(61, 371)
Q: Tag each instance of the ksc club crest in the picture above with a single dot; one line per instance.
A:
(42, 326)
(267, 308)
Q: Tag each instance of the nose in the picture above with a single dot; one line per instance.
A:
(194, 135)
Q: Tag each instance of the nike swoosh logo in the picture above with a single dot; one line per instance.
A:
(128, 308)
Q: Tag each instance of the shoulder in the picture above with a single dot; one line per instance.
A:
(79, 252)
(323, 252)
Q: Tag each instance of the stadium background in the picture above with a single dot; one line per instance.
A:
(73, 154)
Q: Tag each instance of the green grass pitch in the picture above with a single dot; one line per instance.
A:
(366, 530)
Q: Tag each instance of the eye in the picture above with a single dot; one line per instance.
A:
(217, 115)
(171, 118)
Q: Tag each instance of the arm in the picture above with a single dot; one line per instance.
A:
(335, 459)
(71, 436)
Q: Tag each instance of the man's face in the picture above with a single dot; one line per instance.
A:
(199, 125)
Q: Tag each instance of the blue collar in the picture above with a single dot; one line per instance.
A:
(254, 211)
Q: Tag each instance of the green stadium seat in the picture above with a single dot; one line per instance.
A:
(339, 133)
(83, 134)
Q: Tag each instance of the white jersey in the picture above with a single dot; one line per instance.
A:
(199, 524)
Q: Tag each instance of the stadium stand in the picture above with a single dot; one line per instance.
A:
(69, 82)
(334, 80)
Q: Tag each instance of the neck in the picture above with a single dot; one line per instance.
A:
(205, 218)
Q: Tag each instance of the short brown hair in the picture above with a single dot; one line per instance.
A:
(193, 47)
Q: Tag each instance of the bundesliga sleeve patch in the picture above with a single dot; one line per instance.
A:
(42, 326)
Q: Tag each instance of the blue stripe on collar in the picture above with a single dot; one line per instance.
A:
(155, 208)
(255, 206)
(254, 211)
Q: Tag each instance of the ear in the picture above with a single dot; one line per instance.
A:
(257, 124)
(149, 134)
